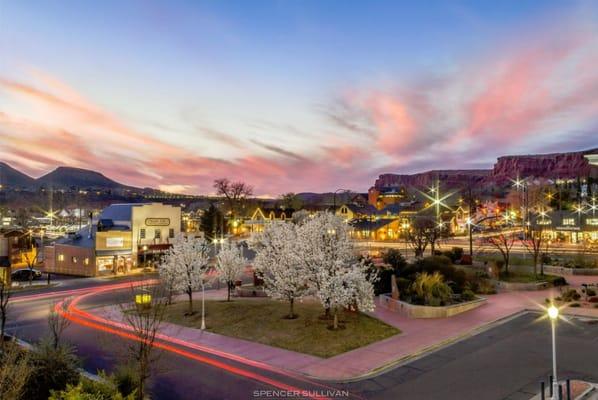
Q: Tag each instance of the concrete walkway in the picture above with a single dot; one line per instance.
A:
(418, 335)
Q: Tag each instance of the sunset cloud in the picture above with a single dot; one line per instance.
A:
(282, 130)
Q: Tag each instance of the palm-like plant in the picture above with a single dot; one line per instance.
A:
(432, 289)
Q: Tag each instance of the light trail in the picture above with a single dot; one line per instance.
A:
(72, 292)
(84, 318)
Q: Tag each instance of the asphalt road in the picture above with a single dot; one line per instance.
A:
(505, 362)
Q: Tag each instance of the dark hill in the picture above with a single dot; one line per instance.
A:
(11, 178)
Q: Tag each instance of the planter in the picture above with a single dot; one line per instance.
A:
(520, 286)
(418, 311)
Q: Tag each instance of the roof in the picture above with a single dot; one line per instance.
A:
(366, 224)
(359, 209)
(288, 212)
(80, 239)
(118, 212)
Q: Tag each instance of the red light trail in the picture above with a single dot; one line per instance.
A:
(75, 314)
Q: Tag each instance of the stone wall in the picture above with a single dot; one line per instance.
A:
(418, 311)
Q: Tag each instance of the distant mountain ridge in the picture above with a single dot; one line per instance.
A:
(68, 177)
(566, 165)
(62, 178)
(13, 178)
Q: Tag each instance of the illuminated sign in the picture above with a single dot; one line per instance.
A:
(115, 242)
(157, 221)
(592, 221)
(569, 221)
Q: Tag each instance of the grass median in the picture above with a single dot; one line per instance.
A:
(263, 321)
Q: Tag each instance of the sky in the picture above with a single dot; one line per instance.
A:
(289, 95)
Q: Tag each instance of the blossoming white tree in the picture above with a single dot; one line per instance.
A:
(229, 265)
(278, 261)
(185, 264)
(348, 287)
(325, 248)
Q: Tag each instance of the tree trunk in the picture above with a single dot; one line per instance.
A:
(190, 294)
(228, 291)
(535, 265)
(335, 323)
(542, 266)
(291, 309)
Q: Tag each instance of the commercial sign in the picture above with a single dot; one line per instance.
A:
(115, 242)
(157, 221)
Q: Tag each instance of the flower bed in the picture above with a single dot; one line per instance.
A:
(420, 311)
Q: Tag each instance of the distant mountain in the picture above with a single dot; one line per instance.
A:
(12, 178)
(550, 166)
(68, 177)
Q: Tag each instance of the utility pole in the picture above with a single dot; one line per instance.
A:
(470, 201)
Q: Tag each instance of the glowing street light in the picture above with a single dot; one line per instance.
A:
(553, 315)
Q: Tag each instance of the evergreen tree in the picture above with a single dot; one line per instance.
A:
(212, 223)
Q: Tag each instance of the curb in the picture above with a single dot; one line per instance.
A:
(28, 346)
(424, 351)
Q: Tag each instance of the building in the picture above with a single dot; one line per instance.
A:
(567, 226)
(382, 197)
(123, 238)
(262, 216)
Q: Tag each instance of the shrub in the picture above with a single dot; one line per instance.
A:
(467, 295)
(91, 390)
(52, 369)
(431, 289)
(559, 281)
(574, 305)
(590, 292)
(125, 379)
(456, 278)
(593, 299)
(570, 295)
(395, 259)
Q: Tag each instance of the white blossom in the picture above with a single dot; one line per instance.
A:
(185, 265)
(229, 265)
(278, 261)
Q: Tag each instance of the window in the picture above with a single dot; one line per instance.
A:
(157, 234)
(61, 257)
(142, 233)
(171, 233)
(569, 221)
(86, 261)
(74, 260)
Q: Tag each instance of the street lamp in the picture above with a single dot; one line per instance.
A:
(553, 315)
(144, 254)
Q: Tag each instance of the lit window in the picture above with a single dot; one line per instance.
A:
(74, 260)
(61, 257)
(592, 221)
(86, 261)
(569, 221)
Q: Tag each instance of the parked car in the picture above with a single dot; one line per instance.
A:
(23, 274)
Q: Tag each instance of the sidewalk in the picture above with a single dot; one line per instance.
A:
(418, 336)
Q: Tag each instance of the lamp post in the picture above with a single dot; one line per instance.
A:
(144, 254)
(553, 314)
(203, 306)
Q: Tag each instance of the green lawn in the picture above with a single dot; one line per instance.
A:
(527, 278)
(263, 321)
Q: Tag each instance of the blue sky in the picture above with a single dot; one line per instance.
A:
(291, 95)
